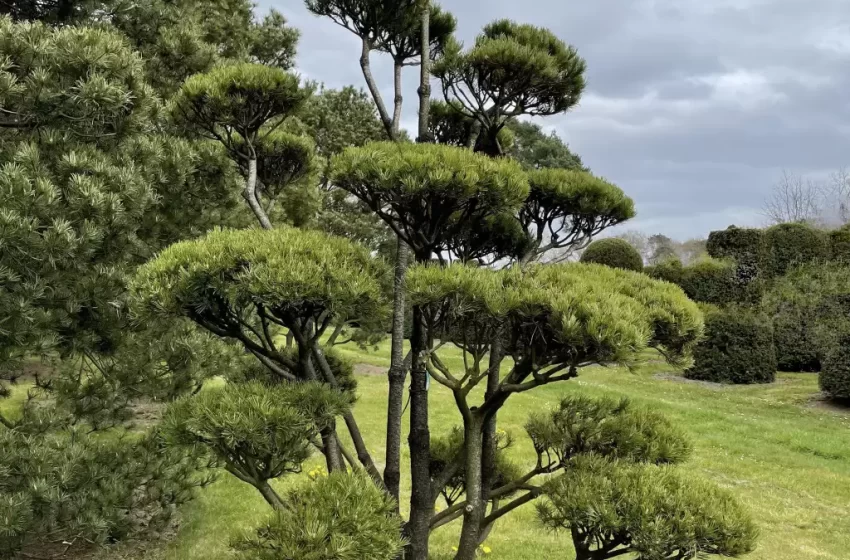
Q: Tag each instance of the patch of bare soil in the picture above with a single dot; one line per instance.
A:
(820, 402)
(147, 413)
(28, 372)
(368, 369)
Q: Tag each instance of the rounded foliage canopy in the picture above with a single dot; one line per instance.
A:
(288, 271)
(785, 245)
(571, 313)
(607, 427)
(237, 98)
(651, 511)
(430, 193)
(525, 69)
(616, 253)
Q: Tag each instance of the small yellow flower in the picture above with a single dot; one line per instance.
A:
(486, 549)
(454, 549)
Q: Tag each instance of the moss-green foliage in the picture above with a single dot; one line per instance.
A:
(784, 246)
(512, 69)
(449, 125)
(578, 313)
(651, 511)
(258, 432)
(708, 280)
(737, 348)
(611, 428)
(339, 517)
(834, 377)
(839, 244)
(431, 194)
(237, 98)
(285, 270)
(808, 307)
(616, 253)
(565, 207)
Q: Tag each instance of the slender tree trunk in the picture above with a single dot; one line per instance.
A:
(488, 461)
(473, 513)
(398, 100)
(425, 74)
(250, 195)
(366, 67)
(421, 500)
(397, 377)
(421, 505)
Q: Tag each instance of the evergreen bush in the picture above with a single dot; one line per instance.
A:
(613, 252)
(737, 348)
(785, 245)
(834, 378)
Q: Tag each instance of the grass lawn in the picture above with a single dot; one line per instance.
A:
(785, 455)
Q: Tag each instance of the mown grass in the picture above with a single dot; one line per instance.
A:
(785, 455)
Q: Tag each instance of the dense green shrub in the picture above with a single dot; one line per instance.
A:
(808, 307)
(645, 511)
(839, 244)
(708, 280)
(339, 517)
(785, 245)
(737, 348)
(834, 378)
(613, 252)
(740, 244)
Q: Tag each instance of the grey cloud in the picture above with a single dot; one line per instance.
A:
(693, 107)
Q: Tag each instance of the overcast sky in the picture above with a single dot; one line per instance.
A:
(693, 107)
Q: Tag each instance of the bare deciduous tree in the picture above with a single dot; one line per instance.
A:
(795, 199)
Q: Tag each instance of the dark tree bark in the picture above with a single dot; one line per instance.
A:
(421, 505)
(397, 377)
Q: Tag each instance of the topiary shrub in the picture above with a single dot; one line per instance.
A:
(839, 244)
(616, 253)
(740, 244)
(834, 378)
(737, 348)
(343, 516)
(708, 280)
(785, 245)
(809, 308)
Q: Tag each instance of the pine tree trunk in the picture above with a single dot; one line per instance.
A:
(397, 377)
(473, 513)
(421, 505)
(250, 195)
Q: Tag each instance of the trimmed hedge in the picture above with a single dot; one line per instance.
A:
(737, 348)
(613, 252)
(834, 378)
(707, 281)
(785, 245)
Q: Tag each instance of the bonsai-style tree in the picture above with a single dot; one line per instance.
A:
(511, 70)
(248, 285)
(612, 509)
(242, 106)
(548, 319)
